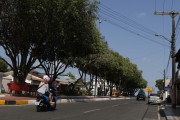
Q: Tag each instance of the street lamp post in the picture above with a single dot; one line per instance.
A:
(173, 14)
(173, 52)
(163, 37)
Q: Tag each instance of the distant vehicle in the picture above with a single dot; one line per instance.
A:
(141, 96)
(154, 99)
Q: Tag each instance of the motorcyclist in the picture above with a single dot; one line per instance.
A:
(43, 88)
(52, 87)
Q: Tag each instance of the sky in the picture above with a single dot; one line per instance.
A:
(129, 27)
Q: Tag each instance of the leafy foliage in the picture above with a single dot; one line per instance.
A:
(159, 84)
(71, 76)
(60, 34)
(3, 66)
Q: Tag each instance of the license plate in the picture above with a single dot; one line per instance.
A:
(37, 103)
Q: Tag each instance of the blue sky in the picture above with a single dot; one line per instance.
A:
(129, 27)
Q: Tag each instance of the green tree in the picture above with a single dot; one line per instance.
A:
(52, 31)
(71, 76)
(67, 33)
(23, 33)
(159, 84)
(114, 68)
(3, 66)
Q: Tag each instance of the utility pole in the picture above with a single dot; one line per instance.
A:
(164, 80)
(173, 14)
(164, 84)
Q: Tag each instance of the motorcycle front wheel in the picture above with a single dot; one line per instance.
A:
(40, 107)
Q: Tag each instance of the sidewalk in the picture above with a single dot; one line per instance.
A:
(172, 113)
(19, 100)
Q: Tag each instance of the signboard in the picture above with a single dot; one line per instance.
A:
(166, 88)
(148, 89)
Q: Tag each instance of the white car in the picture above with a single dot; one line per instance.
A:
(154, 99)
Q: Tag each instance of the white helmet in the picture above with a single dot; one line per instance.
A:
(45, 77)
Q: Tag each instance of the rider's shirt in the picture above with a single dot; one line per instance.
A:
(43, 88)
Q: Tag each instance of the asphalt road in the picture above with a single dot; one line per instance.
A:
(101, 110)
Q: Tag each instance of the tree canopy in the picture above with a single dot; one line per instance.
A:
(3, 66)
(160, 84)
(61, 34)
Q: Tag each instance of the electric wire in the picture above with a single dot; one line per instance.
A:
(163, 23)
(133, 32)
(121, 18)
(167, 67)
(125, 22)
(177, 29)
(163, 5)
(172, 5)
(109, 12)
(114, 15)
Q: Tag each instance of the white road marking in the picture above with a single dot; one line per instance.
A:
(115, 105)
(91, 111)
(158, 114)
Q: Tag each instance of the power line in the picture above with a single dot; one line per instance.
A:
(173, 14)
(177, 29)
(172, 5)
(168, 64)
(115, 15)
(133, 32)
(121, 18)
(131, 23)
(124, 21)
(163, 5)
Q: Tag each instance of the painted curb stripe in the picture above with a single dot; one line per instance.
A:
(10, 102)
(20, 102)
(15, 102)
(32, 102)
(2, 102)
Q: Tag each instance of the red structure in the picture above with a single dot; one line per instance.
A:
(18, 87)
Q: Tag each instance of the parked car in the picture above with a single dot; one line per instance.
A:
(141, 96)
(154, 99)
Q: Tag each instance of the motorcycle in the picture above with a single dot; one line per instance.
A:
(41, 102)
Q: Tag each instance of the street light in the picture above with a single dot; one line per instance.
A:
(173, 52)
(163, 37)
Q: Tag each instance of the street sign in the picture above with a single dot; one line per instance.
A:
(166, 88)
(148, 89)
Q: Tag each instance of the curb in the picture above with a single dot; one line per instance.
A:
(170, 113)
(14, 102)
(32, 102)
